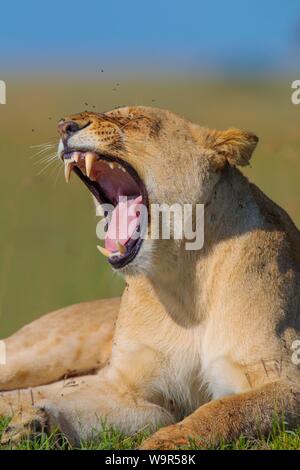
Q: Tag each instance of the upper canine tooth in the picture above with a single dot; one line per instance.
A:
(68, 171)
(89, 161)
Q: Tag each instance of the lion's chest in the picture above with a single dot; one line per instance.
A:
(197, 371)
(180, 380)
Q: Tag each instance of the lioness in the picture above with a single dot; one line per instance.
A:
(200, 343)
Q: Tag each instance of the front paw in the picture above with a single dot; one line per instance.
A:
(25, 424)
(168, 438)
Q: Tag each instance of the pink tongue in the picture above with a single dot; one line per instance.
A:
(124, 221)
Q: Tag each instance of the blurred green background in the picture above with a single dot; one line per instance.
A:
(218, 63)
(47, 237)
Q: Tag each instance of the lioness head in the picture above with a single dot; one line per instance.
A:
(135, 157)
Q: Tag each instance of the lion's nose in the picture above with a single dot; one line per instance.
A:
(68, 128)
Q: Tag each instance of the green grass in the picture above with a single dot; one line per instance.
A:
(109, 439)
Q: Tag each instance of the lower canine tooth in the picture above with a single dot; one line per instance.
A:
(121, 248)
(89, 161)
(104, 251)
(76, 156)
(68, 171)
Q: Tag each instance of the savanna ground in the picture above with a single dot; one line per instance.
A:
(47, 237)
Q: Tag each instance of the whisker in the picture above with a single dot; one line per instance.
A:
(41, 146)
(59, 172)
(54, 168)
(46, 167)
(51, 142)
(41, 154)
(46, 158)
(44, 148)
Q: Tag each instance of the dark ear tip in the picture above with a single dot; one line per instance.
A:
(255, 138)
(252, 137)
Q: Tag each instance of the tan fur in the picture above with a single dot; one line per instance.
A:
(201, 336)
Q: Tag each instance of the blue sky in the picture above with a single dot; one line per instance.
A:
(190, 35)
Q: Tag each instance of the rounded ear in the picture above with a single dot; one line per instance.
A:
(235, 145)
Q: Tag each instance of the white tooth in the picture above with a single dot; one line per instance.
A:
(76, 156)
(111, 165)
(121, 168)
(104, 251)
(89, 161)
(68, 171)
(121, 248)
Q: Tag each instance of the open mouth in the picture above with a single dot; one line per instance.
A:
(123, 196)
